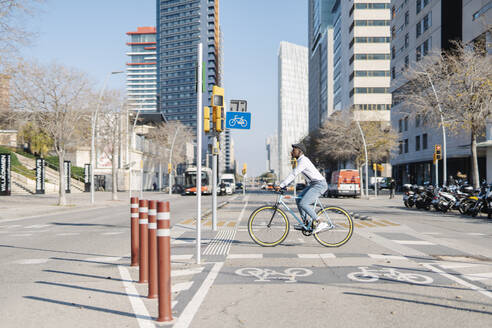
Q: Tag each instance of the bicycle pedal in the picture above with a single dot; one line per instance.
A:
(298, 227)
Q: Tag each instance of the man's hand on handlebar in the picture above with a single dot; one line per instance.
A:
(279, 189)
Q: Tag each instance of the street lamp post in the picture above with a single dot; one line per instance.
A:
(171, 161)
(444, 156)
(93, 143)
(130, 164)
(365, 152)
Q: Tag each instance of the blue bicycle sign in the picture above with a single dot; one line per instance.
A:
(238, 120)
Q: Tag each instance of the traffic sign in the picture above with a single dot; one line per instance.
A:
(238, 120)
(238, 106)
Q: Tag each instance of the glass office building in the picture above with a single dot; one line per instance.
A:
(181, 26)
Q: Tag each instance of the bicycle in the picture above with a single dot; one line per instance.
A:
(269, 225)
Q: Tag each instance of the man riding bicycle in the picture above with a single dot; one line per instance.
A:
(316, 187)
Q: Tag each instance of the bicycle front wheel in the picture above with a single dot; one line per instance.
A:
(341, 227)
(268, 227)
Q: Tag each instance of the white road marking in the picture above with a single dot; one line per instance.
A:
(413, 242)
(456, 265)
(185, 272)
(458, 280)
(316, 256)
(192, 308)
(21, 235)
(245, 256)
(32, 261)
(386, 257)
(140, 311)
(478, 276)
(68, 234)
(113, 233)
(103, 259)
(37, 226)
(475, 234)
(188, 242)
(182, 257)
(179, 287)
(431, 233)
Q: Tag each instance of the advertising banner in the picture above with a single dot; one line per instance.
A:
(87, 177)
(67, 166)
(5, 189)
(40, 176)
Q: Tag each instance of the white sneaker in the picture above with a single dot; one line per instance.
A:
(322, 226)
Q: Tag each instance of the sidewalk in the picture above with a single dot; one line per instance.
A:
(22, 206)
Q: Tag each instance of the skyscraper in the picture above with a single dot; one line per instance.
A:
(141, 70)
(181, 26)
(320, 38)
(293, 112)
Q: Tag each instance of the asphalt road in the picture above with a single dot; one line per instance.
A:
(402, 268)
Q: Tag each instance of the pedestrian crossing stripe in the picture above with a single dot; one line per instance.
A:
(208, 223)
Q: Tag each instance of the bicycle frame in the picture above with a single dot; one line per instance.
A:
(280, 201)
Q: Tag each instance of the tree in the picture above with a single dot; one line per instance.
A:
(164, 134)
(13, 31)
(57, 99)
(109, 134)
(463, 82)
(339, 139)
(39, 141)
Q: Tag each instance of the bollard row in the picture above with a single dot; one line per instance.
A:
(151, 250)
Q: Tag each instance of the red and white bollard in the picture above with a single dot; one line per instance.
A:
(152, 249)
(164, 260)
(134, 230)
(144, 242)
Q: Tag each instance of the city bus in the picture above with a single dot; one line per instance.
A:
(190, 181)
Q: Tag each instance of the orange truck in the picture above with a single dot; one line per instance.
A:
(344, 183)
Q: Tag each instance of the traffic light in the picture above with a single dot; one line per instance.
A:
(374, 166)
(169, 168)
(206, 119)
(244, 169)
(219, 118)
(217, 96)
(218, 108)
(437, 151)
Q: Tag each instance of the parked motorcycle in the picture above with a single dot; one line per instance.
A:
(408, 199)
(425, 197)
(483, 203)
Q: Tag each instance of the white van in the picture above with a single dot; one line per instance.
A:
(230, 178)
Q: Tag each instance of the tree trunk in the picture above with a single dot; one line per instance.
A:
(61, 185)
(476, 178)
(114, 172)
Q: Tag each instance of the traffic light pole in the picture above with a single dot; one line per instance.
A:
(214, 183)
(199, 156)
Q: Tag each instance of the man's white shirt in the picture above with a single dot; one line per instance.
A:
(307, 168)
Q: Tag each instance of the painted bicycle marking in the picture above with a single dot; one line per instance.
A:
(372, 275)
(266, 275)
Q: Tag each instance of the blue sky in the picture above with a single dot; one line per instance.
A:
(90, 35)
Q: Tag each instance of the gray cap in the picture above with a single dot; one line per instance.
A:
(300, 146)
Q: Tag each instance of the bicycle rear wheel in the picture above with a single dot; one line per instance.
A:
(268, 227)
(341, 225)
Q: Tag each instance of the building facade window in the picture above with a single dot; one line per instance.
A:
(406, 146)
(400, 125)
(407, 40)
(407, 18)
(393, 74)
(417, 143)
(417, 121)
(405, 121)
(400, 147)
(424, 141)
(407, 60)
